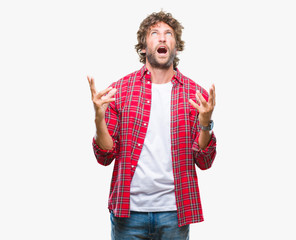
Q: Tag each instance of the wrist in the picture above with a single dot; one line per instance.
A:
(206, 126)
(204, 120)
(204, 123)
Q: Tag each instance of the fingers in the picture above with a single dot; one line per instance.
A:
(102, 93)
(214, 95)
(201, 102)
(200, 99)
(108, 100)
(92, 86)
(111, 93)
(195, 105)
(211, 96)
(105, 98)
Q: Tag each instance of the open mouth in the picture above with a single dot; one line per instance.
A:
(162, 50)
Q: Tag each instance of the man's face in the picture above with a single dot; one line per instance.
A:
(161, 46)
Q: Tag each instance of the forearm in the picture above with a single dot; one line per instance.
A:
(204, 139)
(103, 138)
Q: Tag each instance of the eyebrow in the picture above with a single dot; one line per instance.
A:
(155, 29)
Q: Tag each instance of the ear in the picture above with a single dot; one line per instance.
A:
(143, 51)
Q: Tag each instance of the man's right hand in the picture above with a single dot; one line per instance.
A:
(102, 99)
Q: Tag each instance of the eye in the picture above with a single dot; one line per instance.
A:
(153, 33)
(169, 33)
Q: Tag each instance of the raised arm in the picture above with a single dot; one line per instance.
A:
(204, 146)
(104, 143)
(205, 109)
(101, 100)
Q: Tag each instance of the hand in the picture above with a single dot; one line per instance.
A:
(204, 108)
(100, 99)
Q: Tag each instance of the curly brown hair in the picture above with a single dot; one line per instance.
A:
(150, 21)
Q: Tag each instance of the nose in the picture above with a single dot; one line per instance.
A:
(162, 37)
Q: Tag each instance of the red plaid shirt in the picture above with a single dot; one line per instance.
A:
(127, 120)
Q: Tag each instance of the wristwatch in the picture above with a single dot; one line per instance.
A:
(207, 128)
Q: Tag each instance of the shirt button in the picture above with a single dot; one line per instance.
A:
(145, 124)
(133, 166)
(148, 101)
(148, 82)
(139, 144)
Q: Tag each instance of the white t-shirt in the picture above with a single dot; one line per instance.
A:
(152, 186)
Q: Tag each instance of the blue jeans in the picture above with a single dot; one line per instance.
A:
(149, 226)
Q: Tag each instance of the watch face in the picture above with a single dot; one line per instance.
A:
(211, 125)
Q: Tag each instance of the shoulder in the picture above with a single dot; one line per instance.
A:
(124, 87)
(191, 85)
(127, 80)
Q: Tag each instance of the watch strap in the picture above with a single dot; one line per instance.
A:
(207, 128)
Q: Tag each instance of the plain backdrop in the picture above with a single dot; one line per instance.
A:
(51, 185)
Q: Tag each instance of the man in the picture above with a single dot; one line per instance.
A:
(150, 124)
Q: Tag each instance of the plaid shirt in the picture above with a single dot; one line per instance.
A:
(127, 120)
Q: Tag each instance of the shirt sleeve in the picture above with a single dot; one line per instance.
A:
(105, 157)
(204, 158)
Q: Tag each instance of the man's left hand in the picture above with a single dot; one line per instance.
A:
(205, 108)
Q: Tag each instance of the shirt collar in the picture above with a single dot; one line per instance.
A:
(178, 75)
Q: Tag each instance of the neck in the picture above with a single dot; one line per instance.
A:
(160, 76)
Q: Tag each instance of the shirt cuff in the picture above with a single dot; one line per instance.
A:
(100, 151)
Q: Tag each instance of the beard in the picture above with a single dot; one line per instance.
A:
(151, 57)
